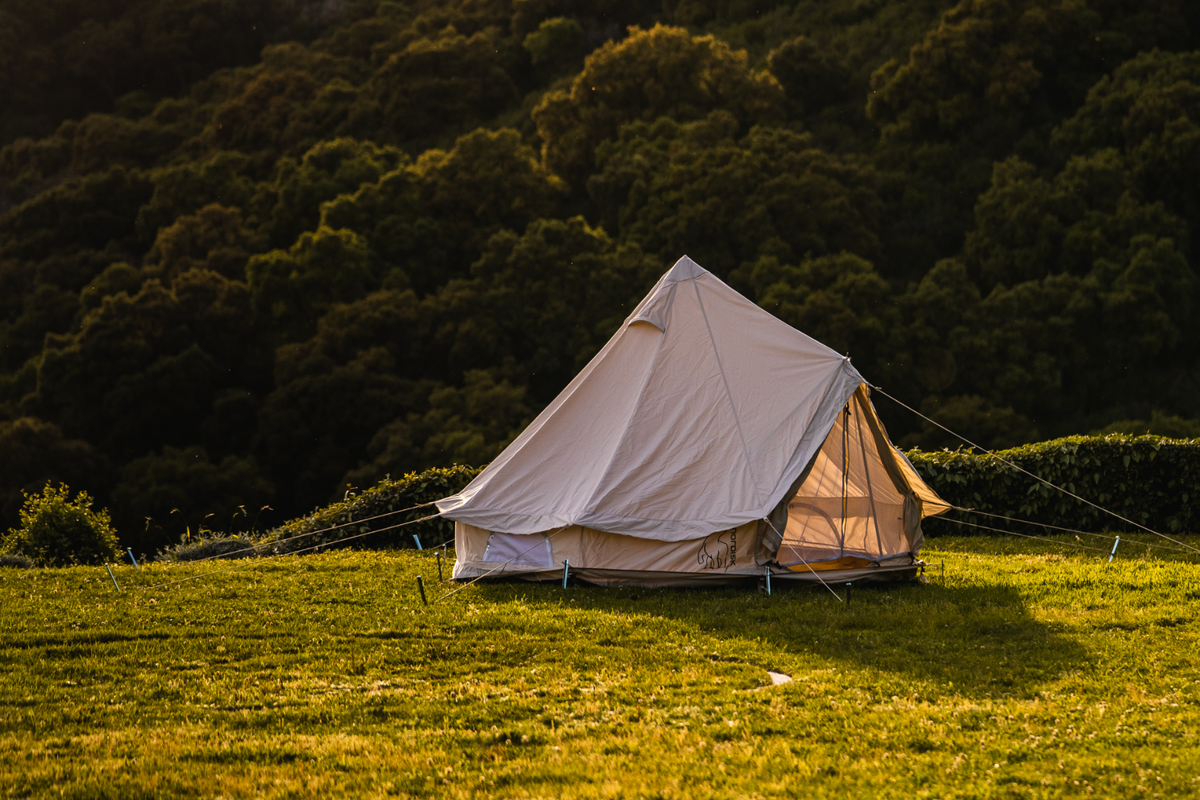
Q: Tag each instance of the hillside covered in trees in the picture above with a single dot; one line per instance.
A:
(252, 251)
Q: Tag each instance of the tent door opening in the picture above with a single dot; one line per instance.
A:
(848, 512)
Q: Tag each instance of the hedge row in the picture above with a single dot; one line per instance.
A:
(1148, 479)
(384, 498)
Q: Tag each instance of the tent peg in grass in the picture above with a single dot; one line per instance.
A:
(131, 558)
(849, 586)
(114, 577)
(421, 589)
(1114, 550)
(767, 570)
(417, 539)
(439, 558)
(566, 571)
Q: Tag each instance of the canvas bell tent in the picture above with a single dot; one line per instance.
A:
(707, 441)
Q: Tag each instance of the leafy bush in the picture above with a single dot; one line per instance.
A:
(210, 546)
(1147, 479)
(14, 560)
(357, 514)
(57, 531)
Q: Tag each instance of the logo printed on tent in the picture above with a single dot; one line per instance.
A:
(723, 554)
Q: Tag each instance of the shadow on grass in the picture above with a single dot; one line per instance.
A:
(982, 639)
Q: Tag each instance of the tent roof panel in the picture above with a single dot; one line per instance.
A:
(697, 422)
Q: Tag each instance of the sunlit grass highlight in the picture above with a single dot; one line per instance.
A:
(1025, 670)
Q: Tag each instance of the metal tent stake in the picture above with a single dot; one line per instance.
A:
(131, 558)
(767, 570)
(114, 577)
(439, 555)
(1114, 550)
(421, 588)
(566, 571)
(417, 539)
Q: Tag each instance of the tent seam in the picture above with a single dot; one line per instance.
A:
(728, 394)
(588, 507)
(807, 437)
(569, 392)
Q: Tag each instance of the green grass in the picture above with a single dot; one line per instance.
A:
(1028, 671)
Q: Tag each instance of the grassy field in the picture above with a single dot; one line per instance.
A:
(1027, 671)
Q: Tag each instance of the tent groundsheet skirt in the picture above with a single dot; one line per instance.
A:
(613, 559)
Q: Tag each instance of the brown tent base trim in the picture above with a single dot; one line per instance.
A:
(616, 578)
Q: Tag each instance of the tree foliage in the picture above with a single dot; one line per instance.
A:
(662, 72)
(695, 188)
(253, 252)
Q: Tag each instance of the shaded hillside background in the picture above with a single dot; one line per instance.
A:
(254, 251)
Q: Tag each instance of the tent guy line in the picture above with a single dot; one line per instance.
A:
(1032, 475)
(810, 569)
(253, 549)
(292, 553)
(700, 418)
(1026, 535)
(476, 580)
(1168, 548)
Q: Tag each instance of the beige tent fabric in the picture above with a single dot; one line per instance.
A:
(706, 441)
(613, 559)
(697, 416)
(721, 554)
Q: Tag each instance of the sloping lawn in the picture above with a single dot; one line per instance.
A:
(1028, 670)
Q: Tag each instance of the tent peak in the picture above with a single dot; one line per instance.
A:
(684, 270)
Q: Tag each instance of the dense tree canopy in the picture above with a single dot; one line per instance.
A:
(252, 252)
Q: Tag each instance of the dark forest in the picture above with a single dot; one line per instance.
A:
(253, 252)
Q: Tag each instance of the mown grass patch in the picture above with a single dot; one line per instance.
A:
(1026, 671)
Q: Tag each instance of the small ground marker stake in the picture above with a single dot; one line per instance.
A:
(566, 571)
(421, 588)
(849, 586)
(114, 577)
(767, 570)
(131, 558)
(1114, 550)
(439, 555)
(417, 539)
